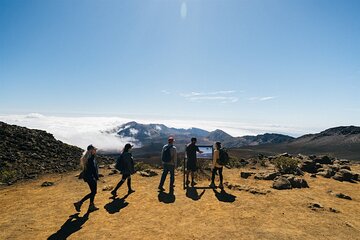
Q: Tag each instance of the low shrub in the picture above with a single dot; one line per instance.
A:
(286, 164)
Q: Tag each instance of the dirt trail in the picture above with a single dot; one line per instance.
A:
(29, 211)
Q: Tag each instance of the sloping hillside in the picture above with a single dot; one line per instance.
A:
(341, 142)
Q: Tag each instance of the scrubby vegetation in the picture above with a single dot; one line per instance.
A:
(286, 164)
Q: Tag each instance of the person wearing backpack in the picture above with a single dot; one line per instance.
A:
(191, 164)
(169, 161)
(90, 175)
(125, 164)
(216, 166)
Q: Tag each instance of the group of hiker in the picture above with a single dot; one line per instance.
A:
(125, 164)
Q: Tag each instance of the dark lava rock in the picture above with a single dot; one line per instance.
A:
(281, 183)
(266, 175)
(346, 175)
(246, 174)
(323, 160)
(47, 184)
(341, 195)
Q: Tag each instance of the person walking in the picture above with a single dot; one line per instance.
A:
(169, 161)
(191, 164)
(126, 169)
(90, 175)
(216, 167)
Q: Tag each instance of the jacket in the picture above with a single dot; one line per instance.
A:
(127, 164)
(91, 169)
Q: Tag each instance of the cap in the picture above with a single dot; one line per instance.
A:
(91, 147)
(128, 146)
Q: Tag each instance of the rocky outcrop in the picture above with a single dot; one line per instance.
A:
(27, 153)
(266, 175)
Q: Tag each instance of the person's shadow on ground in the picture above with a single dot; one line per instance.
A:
(223, 196)
(116, 205)
(72, 225)
(192, 193)
(166, 197)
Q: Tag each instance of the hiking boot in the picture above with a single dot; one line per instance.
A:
(113, 193)
(130, 191)
(77, 206)
(92, 208)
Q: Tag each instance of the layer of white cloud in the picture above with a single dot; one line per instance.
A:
(82, 131)
(262, 98)
(220, 96)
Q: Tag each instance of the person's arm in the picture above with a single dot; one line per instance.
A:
(198, 150)
(175, 157)
(215, 157)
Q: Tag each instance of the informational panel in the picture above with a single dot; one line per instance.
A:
(207, 152)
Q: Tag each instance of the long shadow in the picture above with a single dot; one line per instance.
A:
(116, 205)
(223, 196)
(166, 197)
(192, 193)
(72, 225)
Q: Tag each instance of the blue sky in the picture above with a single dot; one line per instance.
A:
(282, 63)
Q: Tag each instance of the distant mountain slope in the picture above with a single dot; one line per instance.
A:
(341, 142)
(148, 135)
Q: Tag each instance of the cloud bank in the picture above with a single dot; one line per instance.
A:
(82, 131)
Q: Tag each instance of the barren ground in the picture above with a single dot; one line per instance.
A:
(29, 211)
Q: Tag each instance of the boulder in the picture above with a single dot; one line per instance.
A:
(246, 174)
(296, 182)
(266, 175)
(315, 206)
(346, 175)
(148, 173)
(343, 196)
(327, 173)
(47, 184)
(345, 167)
(310, 166)
(281, 183)
(323, 160)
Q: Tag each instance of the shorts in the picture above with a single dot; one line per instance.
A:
(191, 165)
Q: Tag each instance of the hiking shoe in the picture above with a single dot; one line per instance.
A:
(113, 193)
(77, 206)
(92, 208)
(131, 191)
(161, 189)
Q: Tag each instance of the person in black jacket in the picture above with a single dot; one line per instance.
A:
(126, 169)
(90, 175)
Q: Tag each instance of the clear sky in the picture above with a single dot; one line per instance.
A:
(286, 62)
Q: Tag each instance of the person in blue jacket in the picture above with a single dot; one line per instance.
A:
(126, 169)
(90, 175)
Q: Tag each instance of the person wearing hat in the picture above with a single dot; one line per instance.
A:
(126, 169)
(90, 175)
(169, 160)
(216, 167)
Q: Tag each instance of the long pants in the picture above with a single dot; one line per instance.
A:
(93, 186)
(168, 168)
(124, 177)
(220, 170)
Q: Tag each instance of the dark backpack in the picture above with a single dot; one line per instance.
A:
(119, 163)
(223, 157)
(166, 156)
